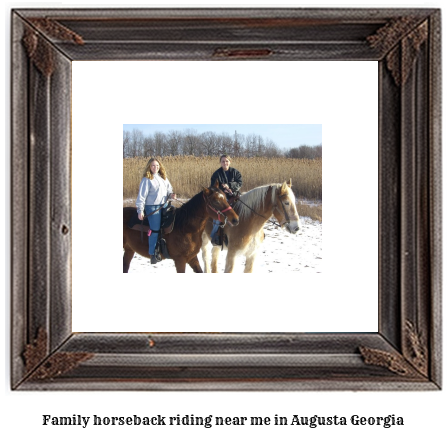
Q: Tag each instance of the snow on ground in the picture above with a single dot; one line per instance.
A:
(280, 252)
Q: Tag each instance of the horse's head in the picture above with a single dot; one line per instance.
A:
(217, 205)
(285, 210)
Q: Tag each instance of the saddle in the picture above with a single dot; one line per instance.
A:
(166, 227)
(168, 219)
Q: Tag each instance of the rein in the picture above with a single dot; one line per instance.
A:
(268, 219)
(155, 211)
(260, 215)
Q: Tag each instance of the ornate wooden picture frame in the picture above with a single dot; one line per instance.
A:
(405, 353)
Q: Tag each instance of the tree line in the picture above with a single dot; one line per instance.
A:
(189, 142)
(309, 152)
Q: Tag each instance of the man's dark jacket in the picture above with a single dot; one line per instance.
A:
(234, 179)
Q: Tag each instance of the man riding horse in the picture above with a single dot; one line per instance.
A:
(230, 182)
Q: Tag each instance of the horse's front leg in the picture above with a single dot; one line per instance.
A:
(249, 261)
(252, 251)
(195, 265)
(215, 252)
(180, 265)
(229, 262)
(206, 252)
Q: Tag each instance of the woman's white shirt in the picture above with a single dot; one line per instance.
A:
(153, 192)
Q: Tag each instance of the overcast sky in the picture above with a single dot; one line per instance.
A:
(285, 136)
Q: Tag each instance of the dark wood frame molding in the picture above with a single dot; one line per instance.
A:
(405, 354)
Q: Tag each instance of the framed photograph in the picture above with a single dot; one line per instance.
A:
(55, 347)
(261, 161)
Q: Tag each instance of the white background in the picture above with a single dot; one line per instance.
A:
(107, 95)
(21, 412)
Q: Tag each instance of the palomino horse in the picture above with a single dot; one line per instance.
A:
(254, 209)
(184, 242)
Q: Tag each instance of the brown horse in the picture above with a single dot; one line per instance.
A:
(184, 242)
(254, 209)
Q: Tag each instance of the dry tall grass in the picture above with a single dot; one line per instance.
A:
(188, 174)
(315, 212)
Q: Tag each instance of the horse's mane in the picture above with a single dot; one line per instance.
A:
(255, 199)
(187, 211)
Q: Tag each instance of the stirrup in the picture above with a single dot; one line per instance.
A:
(157, 254)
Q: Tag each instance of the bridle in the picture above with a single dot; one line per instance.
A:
(286, 215)
(218, 212)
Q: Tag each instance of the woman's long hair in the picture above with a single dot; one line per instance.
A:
(147, 171)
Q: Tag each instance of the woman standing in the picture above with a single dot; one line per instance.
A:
(230, 182)
(154, 192)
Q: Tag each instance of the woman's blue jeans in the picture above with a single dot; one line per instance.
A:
(216, 225)
(154, 224)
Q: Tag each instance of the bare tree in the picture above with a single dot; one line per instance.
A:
(208, 143)
(159, 143)
(237, 149)
(260, 146)
(250, 145)
(271, 149)
(148, 147)
(174, 142)
(126, 144)
(190, 144)
(136, 143)
(226, 144)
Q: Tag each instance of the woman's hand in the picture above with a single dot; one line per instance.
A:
(140, 216)
(173, 196)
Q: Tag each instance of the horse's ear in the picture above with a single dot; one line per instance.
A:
(205, 191)
(283, 190)
(289, 183)
(216, 184)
